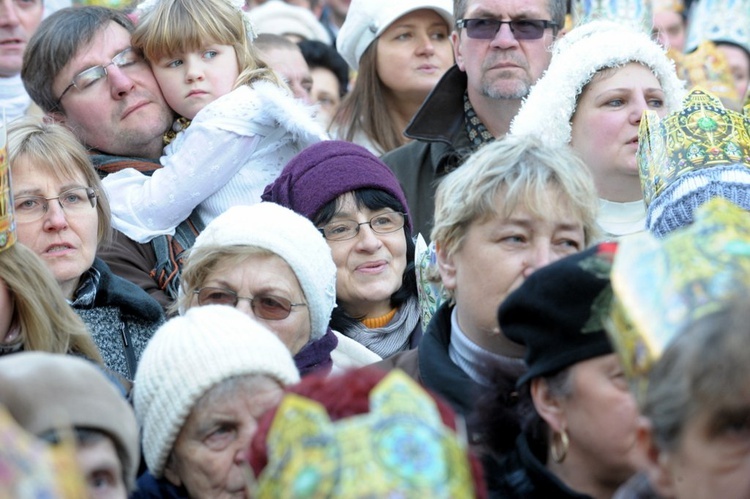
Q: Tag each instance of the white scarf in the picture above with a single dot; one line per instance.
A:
(13, 97)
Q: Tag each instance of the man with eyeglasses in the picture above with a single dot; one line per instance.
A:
(80, 69)
(501, 49)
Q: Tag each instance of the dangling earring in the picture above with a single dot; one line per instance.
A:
(558, 454)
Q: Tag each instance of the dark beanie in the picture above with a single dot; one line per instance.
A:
(558, 312)
(324, 171)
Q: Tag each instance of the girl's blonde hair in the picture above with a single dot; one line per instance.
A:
(45, 320)
(176, 26)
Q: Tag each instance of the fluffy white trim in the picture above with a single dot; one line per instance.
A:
(547, 111)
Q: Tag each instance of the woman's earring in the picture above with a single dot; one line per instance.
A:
(559, 453)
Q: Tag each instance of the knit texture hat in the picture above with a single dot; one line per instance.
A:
(45, 391)
(576, 58)
(559, 312)
(280, 18)
(367, 19)
(290, 236)
(326, 170)
(190, 354)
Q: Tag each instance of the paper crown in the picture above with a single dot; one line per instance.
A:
(707, 68)
(7, 218)
(401, 448)
(635, 13)
(719, 21)
(660, 287)
(668, 6)
(703, 134)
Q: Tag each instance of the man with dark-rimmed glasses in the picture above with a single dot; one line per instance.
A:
(501, 49)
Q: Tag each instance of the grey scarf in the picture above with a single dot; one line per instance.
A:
(394, 337)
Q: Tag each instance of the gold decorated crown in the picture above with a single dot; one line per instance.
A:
(662, 286)
(707, 68)
(703, 134)
(401, 448)
(7, 219)
(668, 6)
(636, 13)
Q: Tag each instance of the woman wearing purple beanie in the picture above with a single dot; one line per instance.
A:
(359, 207)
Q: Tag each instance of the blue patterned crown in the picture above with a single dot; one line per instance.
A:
(636, 13)
(719, 21)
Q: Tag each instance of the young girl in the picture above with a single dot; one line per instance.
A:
(245, 124)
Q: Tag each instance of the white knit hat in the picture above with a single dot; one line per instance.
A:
(290, 236)
(190, 354)
(367, 19)
(547, 111)
(280, 18)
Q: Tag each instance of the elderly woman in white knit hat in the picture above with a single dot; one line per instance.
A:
(601, 78)
(401, 49)
(203, 381)
(275, 266)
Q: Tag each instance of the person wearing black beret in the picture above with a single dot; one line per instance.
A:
(577, 419)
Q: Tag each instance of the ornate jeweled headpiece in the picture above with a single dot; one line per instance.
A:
(636, 13)
(703, 134)
(401, 448)
(7, 218)
(707, 68)
(668, 6)
(719, 21)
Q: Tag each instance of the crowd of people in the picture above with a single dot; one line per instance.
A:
(394, 248)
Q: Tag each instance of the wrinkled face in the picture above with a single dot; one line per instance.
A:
(605, 125)
(101, 469)
(209, 455)
(669, 28)
(370, 266)
(496, 257)
(192, 80)
(6, 315)
(413, 54)
(325, 93)
(739, 63)
(270, 275)
(293, 70)
(504, 67)
(601, 417)
(122, 114)
(66, 244)
(18, 21)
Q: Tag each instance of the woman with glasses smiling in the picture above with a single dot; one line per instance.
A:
(272, 264)
(63, 217)
(359, 207)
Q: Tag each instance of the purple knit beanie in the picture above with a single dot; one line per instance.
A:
(326, 170)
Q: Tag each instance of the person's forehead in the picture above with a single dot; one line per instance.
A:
(510, 9)
(106, 43)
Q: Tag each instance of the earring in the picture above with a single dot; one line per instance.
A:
(558, 454)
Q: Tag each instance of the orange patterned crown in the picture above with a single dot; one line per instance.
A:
(707, 68)
(7, 219)
(703, 134)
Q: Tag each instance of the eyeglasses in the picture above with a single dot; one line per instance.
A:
(385, 223)
(75, 200)
(522, 29)
(268, 307)
(85, 79)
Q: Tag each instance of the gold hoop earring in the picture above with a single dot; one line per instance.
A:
(559, 454)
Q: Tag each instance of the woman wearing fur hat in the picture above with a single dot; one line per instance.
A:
(571, 433)
(205, 379)
(359, 207)
(273, 264)
(601, 78)
(401, 49)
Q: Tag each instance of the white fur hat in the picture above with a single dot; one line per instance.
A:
(367, 19)
(547, 111)
(280, 18)
(290, 236)
(190, 354)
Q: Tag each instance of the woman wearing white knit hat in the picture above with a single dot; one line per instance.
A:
(274, 265)
(601, 78)
(202, 383)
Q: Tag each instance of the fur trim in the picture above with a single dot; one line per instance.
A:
(547, 111)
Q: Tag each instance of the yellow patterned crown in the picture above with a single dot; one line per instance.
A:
(707, 68)
(401, 448)
(661, 286)
(636, 13)
(703, 134)
(7, 219)
(668, 6)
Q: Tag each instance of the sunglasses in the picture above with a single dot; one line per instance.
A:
(522, 29)
(268, 307)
